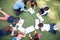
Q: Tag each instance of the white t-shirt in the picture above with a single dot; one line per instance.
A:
(45, 12)
(46, 27)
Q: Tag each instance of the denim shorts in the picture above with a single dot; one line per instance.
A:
(51, 28)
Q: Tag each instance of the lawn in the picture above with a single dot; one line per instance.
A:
(53, 17)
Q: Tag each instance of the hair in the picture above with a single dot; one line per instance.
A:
(41, 11)
(16, 19)
(9, 28)
(15, 33)
(35, 37)
(40, 25)
(25, 0)
(46, 8)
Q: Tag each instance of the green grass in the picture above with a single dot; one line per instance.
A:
(7, 6)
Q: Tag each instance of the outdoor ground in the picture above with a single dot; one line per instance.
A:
(53, 17)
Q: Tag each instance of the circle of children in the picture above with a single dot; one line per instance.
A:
(16, 30)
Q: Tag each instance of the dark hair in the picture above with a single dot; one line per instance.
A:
(40, 25)
(9, 28)
(15, 33)
(35, 37)
(46, 8)
(41, 11)
(16, 19)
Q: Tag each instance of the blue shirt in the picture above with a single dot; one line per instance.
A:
(18, 5)
(11, 20)
(16, 38)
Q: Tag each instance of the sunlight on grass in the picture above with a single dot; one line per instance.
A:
(47, 0)
(58, 22)
(56, 4)
(41, 3)
(53, 14)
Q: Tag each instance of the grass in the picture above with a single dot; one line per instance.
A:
(53, 17)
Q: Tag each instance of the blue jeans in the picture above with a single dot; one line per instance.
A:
(17, 11)
(51, 29)
(2, 32)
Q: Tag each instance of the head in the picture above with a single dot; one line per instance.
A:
(35, 37)
(25, 0)
(40, 25)
(16, 20)
(19, 32)
(35, 32)
(9, 28)
(41, 11)
(15, 33)
(46, 8)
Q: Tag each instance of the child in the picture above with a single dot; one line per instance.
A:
(6, 31)
(25, 2)
(19, 7)
(10, 19)
(36, 36)
(44, 11)
(33, 3)
(19, 35)
(47, 27)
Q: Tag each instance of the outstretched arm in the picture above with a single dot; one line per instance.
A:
(2, 12)
(30, 36)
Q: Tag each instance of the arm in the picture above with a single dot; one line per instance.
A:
(2, 11)
(24, 9)
(35, 32)
(23, 34)
(30, 36)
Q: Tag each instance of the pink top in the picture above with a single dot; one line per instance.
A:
(5, 17)
(19, 36)
(39, 35)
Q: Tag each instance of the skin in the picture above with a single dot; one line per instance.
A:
(31, 36)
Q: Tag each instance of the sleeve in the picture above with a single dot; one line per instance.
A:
(45, 12)
(24, 9)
